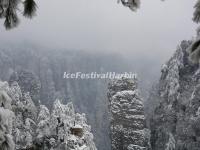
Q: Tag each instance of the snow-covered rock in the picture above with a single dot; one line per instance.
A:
(71, 128)
(175, 122)
(127, 116)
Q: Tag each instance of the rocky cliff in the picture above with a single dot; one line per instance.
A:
(175, 122)
(128, 130)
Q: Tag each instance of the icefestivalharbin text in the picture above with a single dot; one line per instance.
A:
(95, 75)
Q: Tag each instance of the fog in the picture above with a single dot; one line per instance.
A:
(143, 40)
(102, 25)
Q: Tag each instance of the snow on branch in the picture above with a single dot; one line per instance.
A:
(196, 15)
(132, 4)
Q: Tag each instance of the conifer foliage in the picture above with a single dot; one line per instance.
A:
(9, 10)
(24, 126)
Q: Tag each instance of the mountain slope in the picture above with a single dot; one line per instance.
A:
(175, 122)
(25, 127)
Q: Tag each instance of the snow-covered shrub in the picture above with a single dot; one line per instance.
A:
(24, 126)
(6, 119)
(171, 143)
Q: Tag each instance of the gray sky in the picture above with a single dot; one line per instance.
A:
(155, 30)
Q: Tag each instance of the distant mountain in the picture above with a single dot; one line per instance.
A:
(40, 72)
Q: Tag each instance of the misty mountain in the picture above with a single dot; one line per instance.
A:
(40, 72)
(175, 120)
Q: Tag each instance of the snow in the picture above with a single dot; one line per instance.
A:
(171, 143)
(137, 117)
(136, 147)
(132, 4)
(127, 115)
(83, 147)
(32, 124)
(6, 118)
(171, 83)
(125, 92)
(77, 126)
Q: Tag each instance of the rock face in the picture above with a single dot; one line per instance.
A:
(127, 116)
(175, 122)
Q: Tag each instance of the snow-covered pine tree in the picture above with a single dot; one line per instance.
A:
(9, 11)
(25, 114)
(63, 129)
(194, 48)
(43, 120)
(70, 128)
(6, 119)
(24, 123)
(28, 82)
(196, 16)
(132, 4)
(43, 139)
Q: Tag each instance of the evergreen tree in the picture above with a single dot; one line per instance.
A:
(6, 119)
(132, 4)
(9, 10)
(196, 16)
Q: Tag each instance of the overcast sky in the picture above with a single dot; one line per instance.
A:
(105, 25)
